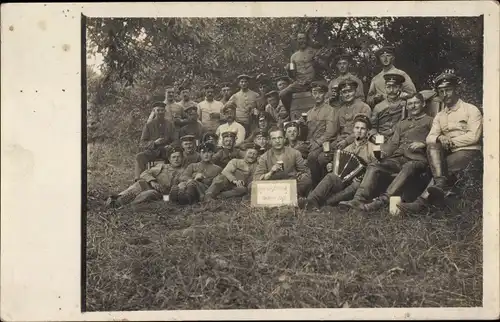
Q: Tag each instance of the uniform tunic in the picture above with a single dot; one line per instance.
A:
(204, 110)
(360, 93)
(304, 62)
(156, 129)
(275, 112)
(209, 172)
(345, 116)
(172, 110)
(236, 169)
(300, 146)
(224, 155)
(377, 85)
(165, 174)
(245, 102)
(321, 124)
(190, 158)
(363, 149)
(386, 115)
(233, 127)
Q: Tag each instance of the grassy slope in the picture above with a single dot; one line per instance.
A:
(228, 255)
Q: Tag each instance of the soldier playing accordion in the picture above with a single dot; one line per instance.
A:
(346, 169)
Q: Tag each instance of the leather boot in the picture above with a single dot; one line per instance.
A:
(343, 195)
(367, 185)
(377, 203)
(419, 206)
(174, 194)
(437, 162)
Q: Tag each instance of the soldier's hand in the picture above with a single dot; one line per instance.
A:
(276, 168)
(417, 145)
(155, 185)
(329, 167)
(239, 183)
(342, 144)
(445, 141)
(159, 141)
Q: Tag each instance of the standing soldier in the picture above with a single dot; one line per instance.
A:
(186, 101)
(196, 178)
(209, 110)
(245, 100)
(377, 91)
(225, 93)
(156, 134)
(453, 141)
(343, 62)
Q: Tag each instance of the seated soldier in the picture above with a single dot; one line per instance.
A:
(189, 146)
(210, 138)
(290, 165)
(236, 177)
(351, 106)
(260, 139)
(403, 155)
(156, 134)
(453, 141)
(227, 152)
(229, 114)
(331, 190)
(265, 124)
(276, 109)
(196, 178)
(153, 183)
(389, 112)
(193, 126)
(291, 133)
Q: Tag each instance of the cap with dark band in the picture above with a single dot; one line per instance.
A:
(446, 79)
(286, 125)
(229, 106)
(283, 78)
(206, 147)
(173, 149)
(251, 145)
(159, 104)
(188, 137)
(348, 84)
(209, 86)
(385, 50)
(228, 134)
(272, 93)
(209, 136)
(319, 85)
(184, 87)
(343, 56)
(243, 76)
(393, 78)
(363, 118)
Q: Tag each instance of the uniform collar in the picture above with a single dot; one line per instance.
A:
(455, 107)
(411, 118)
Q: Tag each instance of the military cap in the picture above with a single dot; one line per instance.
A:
(184, 87)
(363, 118)
(190, 107)
(229, 106)
(206, 147)
(209, 86)
(261, 132)
(385, 50)
(427, 94)
(228, 134)
(262, 79)
(243, 76)
(226, 86)
(446, 78)
(272, 93)
(171, 149)
(347, 84)
(286, 125)
(251, 145)
(159, 104)
(319, 84)
(393, 78)
(283, 78)
(210, 135)
(343, 56)
(187, 137)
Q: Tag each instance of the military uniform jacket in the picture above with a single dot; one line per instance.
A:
(345, 118)
(166, 175)
(245, 102)
(239, 169)
(224, 155)
(409, 130)
(207, 169)
(386, 115)
(294, 164)
(155, 129)
(195, 129)
(360, 93)
(377, 85)
(321, 125)
(190, 158)
(300, 146)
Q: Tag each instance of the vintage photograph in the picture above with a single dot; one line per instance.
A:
(275, 163)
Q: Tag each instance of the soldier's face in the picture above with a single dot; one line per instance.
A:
(227, 141)
(170, 94)
(262, 124)
(192, 114)
(292, 133)
(386, 59)
(251, 155)
(244, 83)
(302, 40)
(175, 159)
(448, 95)
(260, 140)
(188, 146)
(359, 130)
(230, 115)
(273, 101)
(415, 106)
(226, 92)
(160, 111)
(206, 156)
(185, 94)
(281, 85)
(392, 90)
(209, 94)
(318, 95)
(277, 140)
(263, 89)
(348, 94)
(342, 66)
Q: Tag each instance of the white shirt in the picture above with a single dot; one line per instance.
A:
(204, 109)
(235, 127)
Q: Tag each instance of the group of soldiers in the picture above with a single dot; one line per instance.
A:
(216, 148)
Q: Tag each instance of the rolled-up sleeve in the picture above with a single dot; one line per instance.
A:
(435, 130)
(474, 131)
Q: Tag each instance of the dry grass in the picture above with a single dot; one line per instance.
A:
(227, 255)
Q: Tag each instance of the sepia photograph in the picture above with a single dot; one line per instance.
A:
(285, 162)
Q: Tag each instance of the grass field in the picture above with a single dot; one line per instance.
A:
(226, 255)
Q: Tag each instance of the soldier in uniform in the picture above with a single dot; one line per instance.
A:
(321, 127)
(236, 177)
(264, 124)
(196, 178)
(210, 138)
(351, 106)
(227, 152)
(245, 101)
(291, 134)
(225, 92)
(153, 183)
(188, 143)
(210, 110)
(156, 134)
(283, 82)
(173, 110)
(275, 108)
(403, 155)
(229, 111)
(343, 62)
(331, 190)
(453, 141)
(292, 166)
(389, 112)
(193, 125)
(377, 91)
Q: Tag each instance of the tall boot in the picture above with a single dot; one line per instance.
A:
(437, 162)
(365, 189)
(345, 194)
(418, 206)
(233, 193)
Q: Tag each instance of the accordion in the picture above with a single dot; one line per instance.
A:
(347, 165)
